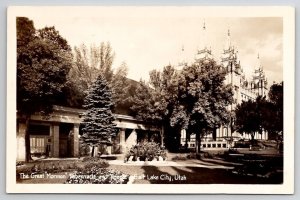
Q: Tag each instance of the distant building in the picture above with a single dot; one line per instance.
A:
(243, 90)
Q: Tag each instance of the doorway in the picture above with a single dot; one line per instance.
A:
(65, 140)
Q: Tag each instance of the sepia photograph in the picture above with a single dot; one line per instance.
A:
(150, 99)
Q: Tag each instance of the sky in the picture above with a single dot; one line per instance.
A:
(153, 38)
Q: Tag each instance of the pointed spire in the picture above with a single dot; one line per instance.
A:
(203, 50)
(204, 44)
(258, 64)
(228, 42)
(182, 58)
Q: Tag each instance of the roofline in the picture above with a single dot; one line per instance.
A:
(81, 111)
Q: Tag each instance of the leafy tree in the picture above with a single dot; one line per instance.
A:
(88, 64)
(276, 98)
(98, 120)
(251, 116)
(194, 99)
(272, 112)
(154, 101)
(203, 99)
(262, 114)
(44, 59)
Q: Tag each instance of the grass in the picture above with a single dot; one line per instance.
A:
(189, 174)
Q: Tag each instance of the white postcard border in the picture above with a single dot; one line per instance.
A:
(288, 14)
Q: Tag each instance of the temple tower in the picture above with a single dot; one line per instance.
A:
(259, 81)
(203, 51)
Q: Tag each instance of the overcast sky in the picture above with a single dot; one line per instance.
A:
(147, 40)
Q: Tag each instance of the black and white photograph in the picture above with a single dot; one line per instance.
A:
(150, 99)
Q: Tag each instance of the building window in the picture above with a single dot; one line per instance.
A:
(224, 145)
(214, 145)
(204, 145)
(39, 138)
(208, 145)
(219, 145)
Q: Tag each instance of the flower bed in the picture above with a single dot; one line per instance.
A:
(61, 166)
(90, 170)
(96, 175)
(146, 151)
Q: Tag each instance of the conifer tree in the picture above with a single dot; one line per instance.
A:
(98, 120)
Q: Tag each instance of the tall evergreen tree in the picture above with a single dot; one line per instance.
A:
(98, 120)
(89, 62)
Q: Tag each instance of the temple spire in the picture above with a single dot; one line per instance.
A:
(258, 63)
(182, 58)
(203, 52)
(228, 42)
(204, 43)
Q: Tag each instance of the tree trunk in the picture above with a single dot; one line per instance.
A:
(93, 150)
(198, 142)
(186, 143)
(214, 134)
(252, 138)
(27, 141)
(186, 140)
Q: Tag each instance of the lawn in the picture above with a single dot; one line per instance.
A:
(189, 175)
(160, 175)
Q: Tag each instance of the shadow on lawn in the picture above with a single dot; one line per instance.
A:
(198, 175)
(212, 162)
(155, 176)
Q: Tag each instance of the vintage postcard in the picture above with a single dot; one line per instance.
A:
(182, 100)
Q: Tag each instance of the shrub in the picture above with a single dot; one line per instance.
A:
(179, 157)
(20, 163)
(96, 175)
(89, 162)
(146, 151)
(84, 149)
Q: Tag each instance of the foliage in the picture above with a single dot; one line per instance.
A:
(42, 67)
(248, 119)
(154, 102)
(98, 120)
(203, 99)
(89, 63)
(44, 59)
(194, 98)
(89, 162)
(42, 167)
(147, 105)
(96, 175)
(256, 165)
(274, 121)
(50, 167)
(84, 149)
(146, 151)
(262, 114)
(179, 157)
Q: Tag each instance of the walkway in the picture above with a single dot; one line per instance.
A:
(210, 164)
